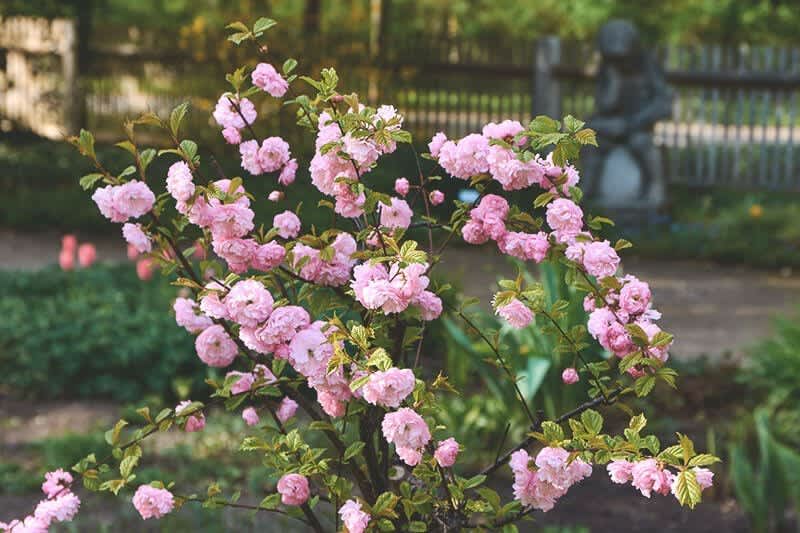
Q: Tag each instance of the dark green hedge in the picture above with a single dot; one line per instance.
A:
(97, 333)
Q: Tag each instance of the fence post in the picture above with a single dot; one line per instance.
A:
(546, 98)
(68, 50)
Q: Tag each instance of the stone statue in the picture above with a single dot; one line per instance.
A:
(631, 96)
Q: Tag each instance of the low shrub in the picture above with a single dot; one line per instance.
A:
(95, 333)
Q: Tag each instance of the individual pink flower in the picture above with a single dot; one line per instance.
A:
(409, 456)
(286, 409)
(61, 508)
(136, 237)
(436, 197)
(405, 428)
(353, 518)
(56, 482)
(232, 135)
(227, 115)
(273, 154)
(570, 376)
(275, 196)
(293, 489)
(267, 256)
(504, 130)
(565, 218)
(634, 297)
(87, 254)
(649, 476)
(179, 181)
(600, 259)
(436, 143)
(389, 388)
(265, 77)
(401, 186)
(196, 420)
(287, 224)
(188, 315)
(144, 268)
(473, 233)
(396, 215)
(69, 242)
(620, 471)
(215, 348)
(249, 152)
(249, 303)
(152, 502)
(250, 417)
(66, 259)
(237, 253)
(525, 246)
(243, 383)
(288, 172)
(516, 313)
(429, 304)
(446, 452)
(133, 199)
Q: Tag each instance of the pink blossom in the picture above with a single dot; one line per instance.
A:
(293, 489)
(396, 215)
(87, 254)
(137, 238)
(649, 476)
(273, 154)
(55, 482)
(250, 416)
(634, 297)
(436, 143)
(286, 409)
(446, 452)
(287, 224)
(144, 268)
(265, 77)
(658, 352)
(236, 252)
(490, 215)
(620, 471)
(556, 469)
(69, 242)
(354, 519)
(195, 420)
(152, 502)
(188, 315)
(589, 303)
(227, 116)
(466, 158)
(179, 181)
(516, 313)
(472, 232)
(333, 272)
(525, 246)
(565, 217)
(504, 130)
(30, 524)
(133, 199)
(275, 196)
(230, 221)
(243, 383)
(61, 508)
(405, 428)
(211, 304)
(268, 256)
(232, 135)
(249, 303)
(389, 388)
(600, 259)
(249, 152)
(570, 376)
(429, 305)
(215, 348)
(286, 177)
(436, 197)
(401, 186)
(409, 456)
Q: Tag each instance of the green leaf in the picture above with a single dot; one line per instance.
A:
(593, 421)
(270, 502)
(552, 432)
(586, 136)
(360, 382)
(543, 199)
(86, 143)
(189, 148)
(638, 423)
(688, 489)
(176, 117)
(289, 65)
(88, 181)
(703, 459)
(644, 385)
(475, 481)
(543, 124)
(572, 124)
(262, 25)
(353, 450)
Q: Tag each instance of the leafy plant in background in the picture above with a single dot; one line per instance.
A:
(487, 413)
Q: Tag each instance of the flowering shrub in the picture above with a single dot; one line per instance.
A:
(323, 330)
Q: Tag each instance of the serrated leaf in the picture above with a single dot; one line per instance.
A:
(703, 459)
(593, 421)
(88, 181)
(262, 25)
(353, 450)
(644, 385)
(687, 489)
(176, 117)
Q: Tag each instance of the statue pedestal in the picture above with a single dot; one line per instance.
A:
(620, 183)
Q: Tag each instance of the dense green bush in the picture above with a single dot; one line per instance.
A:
(92, 333)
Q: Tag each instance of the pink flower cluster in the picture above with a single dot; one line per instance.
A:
(551, 477)
(234, 114)
(293, 489)
(195, 421)
(353, 518)
(60, 505)
(394, 289)
(477, 154)
(408, 432)
(188, 315)
(630, 305)
(271, 155)
(118, 203)
(87, 253)
(516, 313)
(650, 475)
(152, 502)
(332, 272)
(246, 380)
(347, 158)
(446, 453)
(389, 388)
(266, 78)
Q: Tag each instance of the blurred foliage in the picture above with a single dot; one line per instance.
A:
(489, 404)
(686, 21)
(94, 333)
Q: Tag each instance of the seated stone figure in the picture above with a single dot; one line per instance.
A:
(631, 96)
